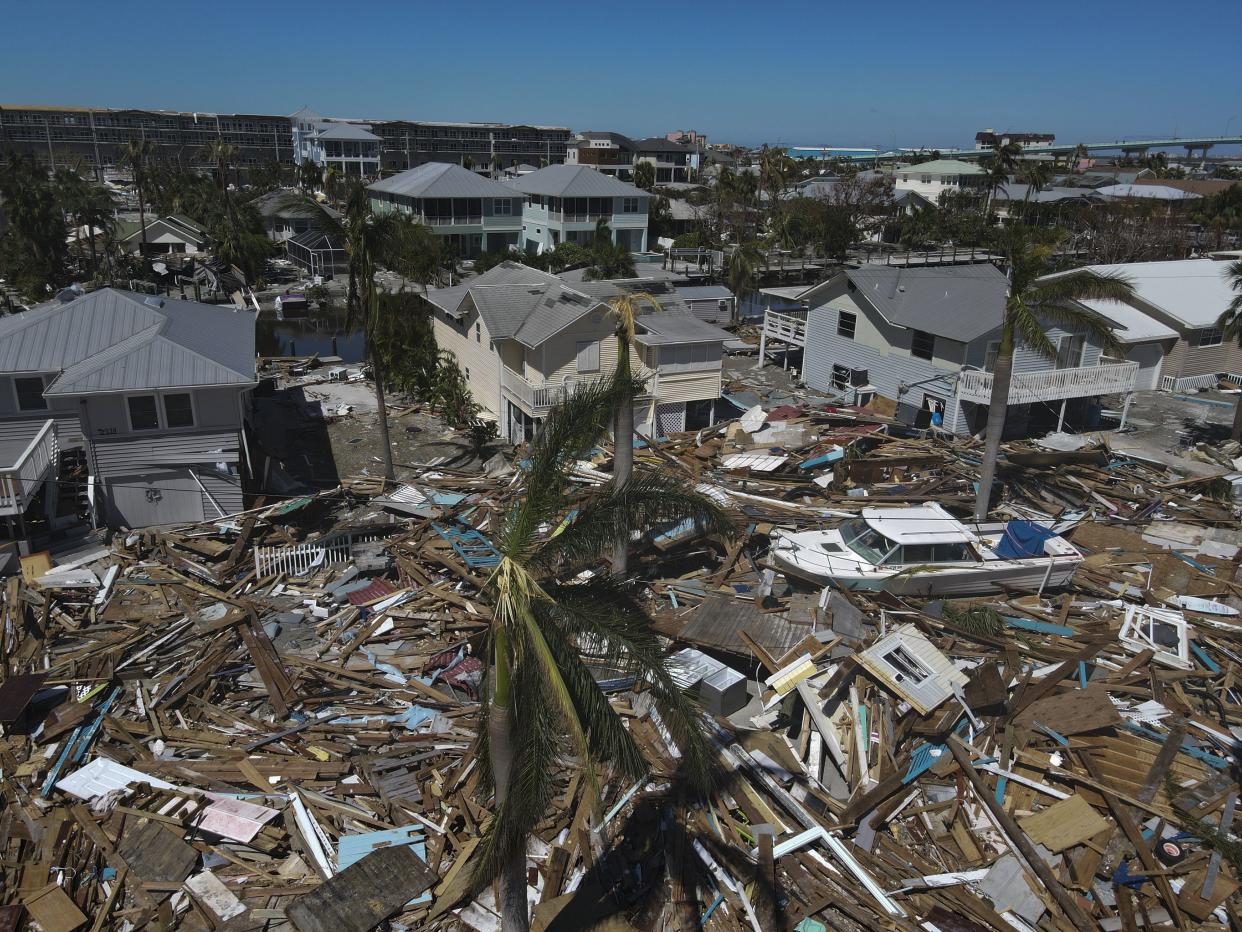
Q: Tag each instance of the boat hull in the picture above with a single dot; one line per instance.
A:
(982, 579)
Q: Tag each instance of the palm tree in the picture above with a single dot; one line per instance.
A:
(310, 176)
(495, 165)
(541, 704)
(137, 155)
(1034, 297)
(626, 309)
(744, 265)
(1001, 163)
(1230, 323)
(371, 241)
(223, 154)
(467, 162)
(1036, 176)
(644, 176)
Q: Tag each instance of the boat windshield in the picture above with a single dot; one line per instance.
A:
(865, 540)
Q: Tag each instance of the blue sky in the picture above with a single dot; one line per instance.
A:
(787, 73)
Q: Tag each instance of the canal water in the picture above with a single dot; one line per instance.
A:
(323, 333)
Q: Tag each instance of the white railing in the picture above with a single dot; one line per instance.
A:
(540, 399)
(1051, 384)
(1189, 383)
(20, 482)
(786, 327)
(301, 559)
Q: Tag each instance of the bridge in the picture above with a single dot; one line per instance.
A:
(1129, 147)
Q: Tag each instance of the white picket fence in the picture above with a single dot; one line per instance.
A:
(302, 559)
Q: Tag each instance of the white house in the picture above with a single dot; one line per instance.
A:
(563, 203)
(932, 179)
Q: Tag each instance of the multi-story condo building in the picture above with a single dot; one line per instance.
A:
(565, 202)
(474, 213)
(617, 155)
(96, 136)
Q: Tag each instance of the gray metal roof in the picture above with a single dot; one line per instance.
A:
(441, 179)
(113, 340)
(959, 302)
(678, 327)
(573, 181)
(347, 131)
(704, 292)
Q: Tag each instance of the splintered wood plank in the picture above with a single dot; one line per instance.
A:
(364, 894)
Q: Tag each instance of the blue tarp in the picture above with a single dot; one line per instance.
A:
(1023, 539)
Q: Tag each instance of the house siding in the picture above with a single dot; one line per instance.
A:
(475, 356)
(688, 386)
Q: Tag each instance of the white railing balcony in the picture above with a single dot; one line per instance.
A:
(788, 327)
(21, 480)
(1051, 384)
(539, 399)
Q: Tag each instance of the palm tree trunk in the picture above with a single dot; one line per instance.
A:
(1236, 432)
(377, 370)
(514, 910)
(623, 453)
(142, 214)
(1002, 371)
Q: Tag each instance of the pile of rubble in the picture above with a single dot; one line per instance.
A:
(269, 721)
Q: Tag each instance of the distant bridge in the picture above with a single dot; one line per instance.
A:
(1129, 147)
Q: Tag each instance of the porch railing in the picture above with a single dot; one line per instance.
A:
(20, 481)
(1051, 384)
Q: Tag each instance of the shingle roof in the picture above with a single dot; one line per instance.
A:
(347, 131)
(573, 181)
(441, 179)
(113, 340)
(960, 302)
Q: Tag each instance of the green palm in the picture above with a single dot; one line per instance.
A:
(1036, 298)
(542, 705)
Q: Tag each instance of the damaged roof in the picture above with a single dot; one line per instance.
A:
(959, 302)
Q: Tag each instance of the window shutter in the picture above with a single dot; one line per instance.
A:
(588, 356)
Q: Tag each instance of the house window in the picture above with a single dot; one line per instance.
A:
(29, 391)
(178, 410)
(847, 323)
(629, 205)
(922, 344)
(142, 413)
(478, 333)
(503, 208)
(1211, 336)
(588, 356)
(840, 376)
(1069, 351)
(905, 666)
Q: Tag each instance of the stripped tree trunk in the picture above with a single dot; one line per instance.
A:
(1236, 432)
(514, 910)
(1002, 372)
(623, 454)
(377, 370)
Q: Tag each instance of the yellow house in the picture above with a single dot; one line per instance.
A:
(525, 340)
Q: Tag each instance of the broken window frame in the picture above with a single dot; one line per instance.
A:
(1137, 635)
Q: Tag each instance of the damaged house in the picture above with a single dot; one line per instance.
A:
(526, 339)
(927, 338)
(150, 393)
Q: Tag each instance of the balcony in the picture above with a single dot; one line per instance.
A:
(31, 461)
(1051, 384)
(786, 326)
(538, 400)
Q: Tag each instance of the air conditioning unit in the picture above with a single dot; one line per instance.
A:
(859, 378)
(338, 374)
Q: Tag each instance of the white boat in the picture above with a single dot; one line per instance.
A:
(924, 550)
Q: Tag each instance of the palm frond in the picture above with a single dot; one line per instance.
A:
(1029, 329)
(602, 613)
(648, 500)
